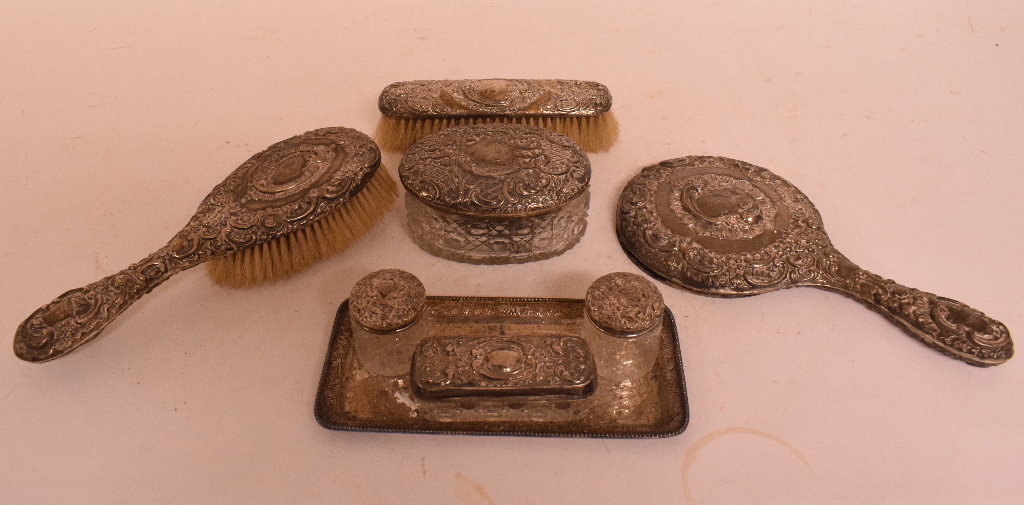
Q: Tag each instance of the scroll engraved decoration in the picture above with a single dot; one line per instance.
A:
(624, 303)
(387, 300)
(735, 244)
(494, 97)
(288, 186)
(502, 366)
(496, 169)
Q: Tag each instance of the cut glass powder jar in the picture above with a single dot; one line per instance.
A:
(496, 193)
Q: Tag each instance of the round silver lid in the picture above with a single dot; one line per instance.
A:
(387, 300)
(499, 170)
(624, 304)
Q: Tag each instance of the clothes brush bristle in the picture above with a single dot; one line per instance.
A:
(594, 134)
(292, 253)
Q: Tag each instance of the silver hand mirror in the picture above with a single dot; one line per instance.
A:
(726, 228)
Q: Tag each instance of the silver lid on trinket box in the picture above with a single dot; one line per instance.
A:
(624, 304)
(387, 300)
(496, 193)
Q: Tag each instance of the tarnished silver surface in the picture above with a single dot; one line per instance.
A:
(624, 304)
(284, 188)
(503, 366)
(723, 227)
(496, 170)
(522, 365)
(496, 193)
(494, 97)
(387, 300)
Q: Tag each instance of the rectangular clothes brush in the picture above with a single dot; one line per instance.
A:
(580, 110)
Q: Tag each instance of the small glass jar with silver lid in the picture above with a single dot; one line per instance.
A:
(624, 314)
(496, 193)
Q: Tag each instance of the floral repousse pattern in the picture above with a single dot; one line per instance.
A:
(496, 193)
(672, 225)
(524, 365)
(284, 188)
(387, 300)
(488, 97)
(496, 170)
(624, 304)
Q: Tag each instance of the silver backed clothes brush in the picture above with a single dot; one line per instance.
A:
(580, 110)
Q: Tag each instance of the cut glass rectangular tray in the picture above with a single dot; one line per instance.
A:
(352, 398)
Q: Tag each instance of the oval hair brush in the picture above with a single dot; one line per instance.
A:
(299, 201)
(580, 110)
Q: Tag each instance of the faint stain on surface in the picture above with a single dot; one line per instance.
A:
(694, 451)
(406, 400)
(469, 492)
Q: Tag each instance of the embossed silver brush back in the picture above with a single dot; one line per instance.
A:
(283, 189)
(722, 227)
(494, 97)
(496, 193)
(581, 110)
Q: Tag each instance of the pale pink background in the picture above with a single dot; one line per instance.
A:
(902, 121)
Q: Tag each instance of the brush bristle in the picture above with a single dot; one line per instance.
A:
(290, 254)
(595, 134)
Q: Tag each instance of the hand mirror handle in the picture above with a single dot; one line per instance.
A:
(944, 324)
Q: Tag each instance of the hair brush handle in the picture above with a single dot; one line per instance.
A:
(949, 326)
(77, 316)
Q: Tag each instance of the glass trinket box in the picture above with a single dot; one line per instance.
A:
(496, 193)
